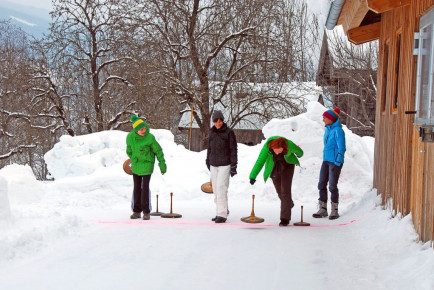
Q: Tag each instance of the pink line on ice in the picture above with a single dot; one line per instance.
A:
(173, 222)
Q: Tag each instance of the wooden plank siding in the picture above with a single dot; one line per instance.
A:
(428, 228)
(404, 166)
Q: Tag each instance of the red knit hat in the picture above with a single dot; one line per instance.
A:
(332, 114)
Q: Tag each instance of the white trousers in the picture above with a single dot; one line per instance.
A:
(220, 184)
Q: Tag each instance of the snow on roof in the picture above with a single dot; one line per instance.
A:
(300, 94)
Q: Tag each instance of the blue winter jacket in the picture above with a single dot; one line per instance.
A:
(334, 143)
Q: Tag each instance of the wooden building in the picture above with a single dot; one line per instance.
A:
(248, 130)
(404, 148)
(248, 137)
(347, 73)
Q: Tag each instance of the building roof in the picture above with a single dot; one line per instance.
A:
(337, 53)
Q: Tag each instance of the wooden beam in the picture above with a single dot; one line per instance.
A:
(352, 14)
(380, 6)
(365, 33)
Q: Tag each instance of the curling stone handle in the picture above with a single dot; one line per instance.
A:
(253, 205)
(171, 195)
(301, 213)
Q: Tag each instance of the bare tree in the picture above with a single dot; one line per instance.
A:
(14, 61)
(25, 128)
(198, 42)
(352, 81)
(83, 37)
(104, 60)
(290, 44)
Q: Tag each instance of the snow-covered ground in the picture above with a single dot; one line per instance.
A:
(75, 232)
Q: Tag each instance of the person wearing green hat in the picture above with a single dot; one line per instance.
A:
(142, 148)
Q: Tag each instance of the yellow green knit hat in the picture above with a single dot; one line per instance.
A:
(137, 123)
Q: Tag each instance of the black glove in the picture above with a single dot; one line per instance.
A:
(252, 181)
(233, 171)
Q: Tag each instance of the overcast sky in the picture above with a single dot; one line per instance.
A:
(45, 4)
(317, 6)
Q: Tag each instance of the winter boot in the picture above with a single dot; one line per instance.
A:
(322, 212)
(334, 214)
(284, 222)
(146, 216)
(220, 220)
(135, 215)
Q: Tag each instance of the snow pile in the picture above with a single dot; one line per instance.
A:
(84, 155)
(100, 155)
(5, 211)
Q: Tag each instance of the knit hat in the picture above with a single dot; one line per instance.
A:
(332, 114)
(137, 123)
(217, 115)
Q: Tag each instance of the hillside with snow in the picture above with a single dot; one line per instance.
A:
(33, 20)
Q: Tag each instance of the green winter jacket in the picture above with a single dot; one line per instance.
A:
(266, 157)
(142, 151)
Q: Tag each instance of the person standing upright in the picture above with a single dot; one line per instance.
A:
(333, 160)
(221, 160)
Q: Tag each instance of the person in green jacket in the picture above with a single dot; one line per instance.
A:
(280, 157)
(142, 148)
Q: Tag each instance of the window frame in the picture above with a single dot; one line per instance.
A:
(394, 96)
(426, 20)
(385, 76)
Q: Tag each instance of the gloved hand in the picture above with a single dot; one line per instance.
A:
(233, 171)
(252, 181)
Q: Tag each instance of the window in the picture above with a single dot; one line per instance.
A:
(384, 77)
(397, 62)
(425, 63)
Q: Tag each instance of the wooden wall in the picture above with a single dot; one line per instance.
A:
(404, 166)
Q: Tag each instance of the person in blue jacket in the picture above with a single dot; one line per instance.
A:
(333, 160)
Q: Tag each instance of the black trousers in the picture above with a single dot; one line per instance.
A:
(141, 193)
(283, 183)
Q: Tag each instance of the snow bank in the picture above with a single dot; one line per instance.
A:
(86, 154)
(100, 155)
(5, 211)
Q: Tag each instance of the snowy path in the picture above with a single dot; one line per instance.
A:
(75, 232)
(192, 253)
